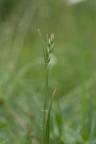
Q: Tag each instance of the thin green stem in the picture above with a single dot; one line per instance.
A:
(45, 106)
(84, 92)
(46, 88)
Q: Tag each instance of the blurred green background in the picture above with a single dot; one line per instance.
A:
(72, 71)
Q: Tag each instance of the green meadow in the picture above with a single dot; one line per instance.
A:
(26, 83)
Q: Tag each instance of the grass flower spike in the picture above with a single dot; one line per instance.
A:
(49, 48)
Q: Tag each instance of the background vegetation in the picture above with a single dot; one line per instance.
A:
(72, 72)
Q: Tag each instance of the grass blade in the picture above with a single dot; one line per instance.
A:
(46, 140)
(4, 142)
(43, 45)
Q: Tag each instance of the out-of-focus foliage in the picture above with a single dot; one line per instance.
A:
(72, 70)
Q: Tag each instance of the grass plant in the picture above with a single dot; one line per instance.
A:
(47, 50)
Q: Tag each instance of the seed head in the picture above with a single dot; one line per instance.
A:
(49, 48)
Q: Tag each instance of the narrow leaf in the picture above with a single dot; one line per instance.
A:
(46, 140)
(43, 45)
(4, 142)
